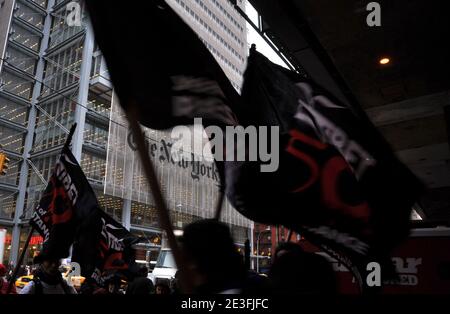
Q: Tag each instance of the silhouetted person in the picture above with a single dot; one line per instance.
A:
(297, 272)
(10, 270)
(113, 284)
(212, 258)
(4, 284)
(141, 284)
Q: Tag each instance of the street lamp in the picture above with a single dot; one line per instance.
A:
(257, 247)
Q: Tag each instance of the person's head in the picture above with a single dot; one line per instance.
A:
(287, 248)
(211, 254)
(51, 266)
(48, 264)
(112, 287)
(162, 287)
(2, 270)
(113, 284)
(295, 271)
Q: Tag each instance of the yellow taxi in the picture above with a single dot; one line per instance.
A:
(23, 281)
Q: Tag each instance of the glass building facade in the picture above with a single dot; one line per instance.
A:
(53, 75)
(221, 29)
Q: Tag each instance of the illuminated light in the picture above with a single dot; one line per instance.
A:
(384, 61)
(178, 233)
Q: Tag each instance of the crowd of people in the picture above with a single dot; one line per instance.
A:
(212, 265)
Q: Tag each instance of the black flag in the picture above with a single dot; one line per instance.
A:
(158, 63)
(67, 200)
(161, 67)
(69, 214)
(104, 247)
(338, 182)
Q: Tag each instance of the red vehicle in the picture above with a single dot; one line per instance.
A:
(422, 262)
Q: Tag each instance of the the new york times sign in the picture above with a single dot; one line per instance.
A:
(161, 151)
(190, 184)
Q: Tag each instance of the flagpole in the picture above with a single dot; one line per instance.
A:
(219, 204)
(161, 207)
(27, 242)
(69, 137)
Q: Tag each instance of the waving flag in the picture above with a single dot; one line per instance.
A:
(158, 63)
(69, 214)
(161, 68)
(338, 182)
(103, 247)
(67, 200)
